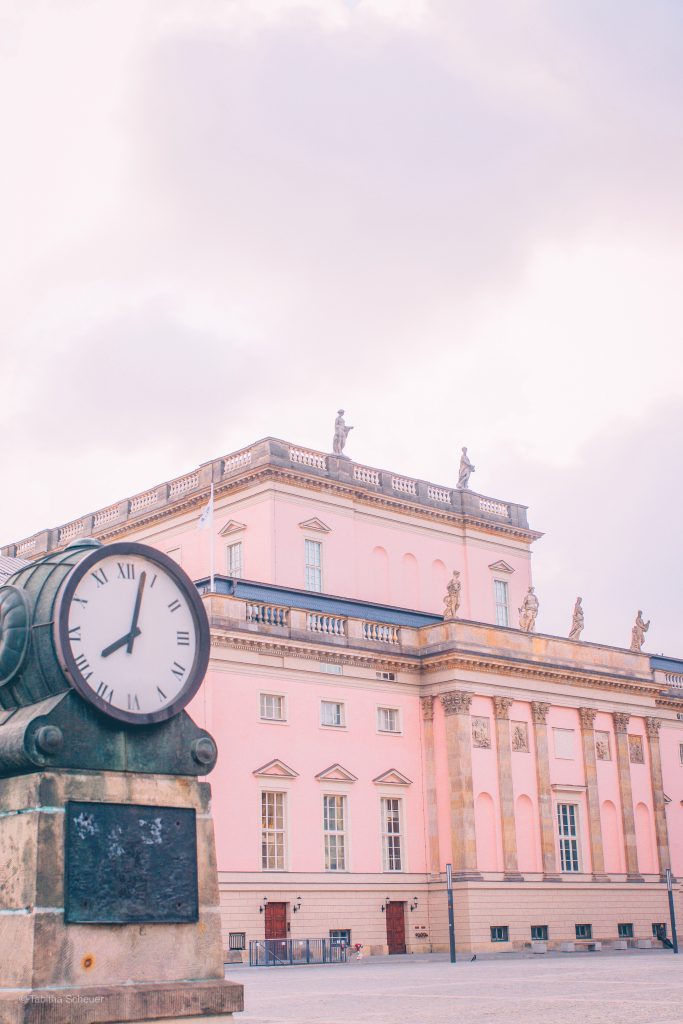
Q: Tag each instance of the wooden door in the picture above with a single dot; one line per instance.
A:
(276, 920)
(396, 927)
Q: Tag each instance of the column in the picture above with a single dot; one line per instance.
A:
(539, 713)
(621, 721)
(456, 707)
(501, 710)
(587, 716)
(661, 831)
(427, 704)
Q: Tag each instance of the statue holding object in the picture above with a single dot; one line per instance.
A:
(341, 432)
(577, 621)
(528, 611)
(452, 599)
(465, 472)
(638, 632)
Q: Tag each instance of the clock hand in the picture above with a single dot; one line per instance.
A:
(117, 644)
(136, 612)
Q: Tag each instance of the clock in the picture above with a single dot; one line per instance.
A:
(131, 633)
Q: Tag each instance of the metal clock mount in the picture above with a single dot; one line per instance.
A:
(101, 648)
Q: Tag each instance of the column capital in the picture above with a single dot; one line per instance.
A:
(427, 705)
(621, 720)
(539, 711)
(587, 716)
(653, 726)
(501, 707)
(457, 702)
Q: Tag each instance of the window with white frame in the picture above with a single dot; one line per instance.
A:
(392, 834)
(388, 720)
(332, 713)
(272, 707)
(567, 828)
(235, 559)
(334, 827)
(273, 831)
(500, 593)
(313, 559)
(680, 751)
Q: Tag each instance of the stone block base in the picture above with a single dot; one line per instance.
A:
(213, 1001)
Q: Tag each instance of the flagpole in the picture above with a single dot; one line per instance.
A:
(211, 541)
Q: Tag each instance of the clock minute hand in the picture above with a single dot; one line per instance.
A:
(117, 644)
(134, 631)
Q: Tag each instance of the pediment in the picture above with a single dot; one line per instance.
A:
(336, 773)
(276, 769)
(315, 524)
(232, 526)
(392, 778)
(501, 566)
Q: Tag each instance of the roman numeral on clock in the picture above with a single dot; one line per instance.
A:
(133, 702)
(105, 692)
(75, 633)
(82, 664)
(100, 577)
(126, 570)
(174, 605)
(178, 670)
(182, 638)
(81, 600)
(162, 695)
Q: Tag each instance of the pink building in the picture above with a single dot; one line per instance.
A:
(364, 742)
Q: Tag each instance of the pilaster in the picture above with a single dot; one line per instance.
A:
(427, 705)
(621, 721)
(456, 705)
(539, 714)
(501, 710)
(661, 831)
(587, 716)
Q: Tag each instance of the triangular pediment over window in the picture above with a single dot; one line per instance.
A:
(335, 773)
(392, 778)
(315, 524)
(276, 769)
(501, 566)
(232, 526)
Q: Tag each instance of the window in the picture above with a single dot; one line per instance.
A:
(584, 931)
(313, 565)
(391, 834)
(391, 676)
(625, 931)
(659, 930)
(273, 831)
(237, 940)
(569, 843)
(272, 707)
(331, 669)
(340, 936)
(539, 933)
(334, 827)
(388, 720)
(332, 714)
(499, 933)
(563, 740)
(680, 752)
(235, 559)
(500, 591)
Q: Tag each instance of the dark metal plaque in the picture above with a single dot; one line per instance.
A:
(130, 864)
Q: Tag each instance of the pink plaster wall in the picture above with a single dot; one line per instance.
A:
(610, 801)
(672, 771)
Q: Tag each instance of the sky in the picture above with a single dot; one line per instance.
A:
(226, 219)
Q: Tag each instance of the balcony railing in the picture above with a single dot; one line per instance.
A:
(293, 952)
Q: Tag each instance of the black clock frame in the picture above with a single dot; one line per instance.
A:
(63, 647)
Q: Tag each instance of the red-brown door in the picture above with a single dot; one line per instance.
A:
(396, 927)
(276, 920)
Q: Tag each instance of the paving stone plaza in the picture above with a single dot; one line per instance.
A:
(609, 988)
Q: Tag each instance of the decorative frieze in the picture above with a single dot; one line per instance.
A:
(457, 702)
(635, 750)
(501, 706)
(427, 705)
(602, 746)
(520, 737)
(481, 732)
(539, 711)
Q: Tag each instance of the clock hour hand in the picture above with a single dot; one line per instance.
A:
(117, 644)
(134, 631)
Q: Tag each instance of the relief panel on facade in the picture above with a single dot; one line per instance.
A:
(602, 746)
(635, 750)
(520, 737)
(481, 732)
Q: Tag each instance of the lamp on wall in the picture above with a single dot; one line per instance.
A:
(413, 905)
(263, 905)
(386, 903)
(297, 906)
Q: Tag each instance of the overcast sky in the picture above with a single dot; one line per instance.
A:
(462, 222)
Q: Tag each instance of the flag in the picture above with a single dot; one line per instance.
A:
(207, 515)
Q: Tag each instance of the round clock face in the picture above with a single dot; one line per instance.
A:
(131, 633)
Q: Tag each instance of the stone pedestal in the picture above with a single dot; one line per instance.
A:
(63, 973)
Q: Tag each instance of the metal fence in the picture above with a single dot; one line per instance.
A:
(289, 952)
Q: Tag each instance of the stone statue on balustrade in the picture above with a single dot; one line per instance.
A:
(638, 632)
(465, 472)
(577, 621)
(528, 612)
(452, 599)
(341, 432)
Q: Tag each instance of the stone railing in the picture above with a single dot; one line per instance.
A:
(26, 547)
(142, 501)
(404, 485)
(240, 460)
(332, 625)
(495, 508)
(366, 476)
(105, 516)
(439, 494)
(71, 531)
(382, 632)
(184, 485)
(304, 457)
(269, 614)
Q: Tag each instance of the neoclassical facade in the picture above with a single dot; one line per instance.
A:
(365, 741)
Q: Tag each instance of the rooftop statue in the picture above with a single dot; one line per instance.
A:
(341, 432)
(577, 621)
(452, 599)
(638, 632)
(465, 472)
(528, 611)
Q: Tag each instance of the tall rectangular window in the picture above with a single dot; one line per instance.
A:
(272, 707)
(392, 834)
(273, 831)
(313, 557)
(388, 720)
(235, 559)
(334, 827)
(332, 713)
(568, 836)
(500, 591)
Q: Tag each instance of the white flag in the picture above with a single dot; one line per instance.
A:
(207, 515)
